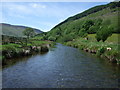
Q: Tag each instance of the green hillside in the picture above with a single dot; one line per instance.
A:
(99, 18)
(95, 30)
(90, 11)
(14, 30)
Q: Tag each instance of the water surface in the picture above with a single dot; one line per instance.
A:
(61, 67)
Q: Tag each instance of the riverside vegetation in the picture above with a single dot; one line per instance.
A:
(95, 30)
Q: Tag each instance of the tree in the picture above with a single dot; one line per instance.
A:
(104, 33)
(87, 24)
(98, 21)
(93, 29)
(67, 38)
(82, 33)
(29, 32)
(98, 36)
(51, 38)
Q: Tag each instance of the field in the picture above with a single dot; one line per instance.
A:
(114, 38)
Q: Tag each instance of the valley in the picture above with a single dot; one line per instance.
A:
(83, 51)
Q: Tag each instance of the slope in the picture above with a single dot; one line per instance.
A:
(15, 30)
(88, 22)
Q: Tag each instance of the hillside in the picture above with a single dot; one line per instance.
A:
(90, 11)
(15, 30)
(99, 18)
(95, 31)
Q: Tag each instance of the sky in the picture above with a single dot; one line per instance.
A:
(42, 15)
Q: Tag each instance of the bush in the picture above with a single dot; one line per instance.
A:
(87, 24)
(82, 32)
(98, 37)
(67, 38)
(100, 51)
(51, 38)
(104, 33)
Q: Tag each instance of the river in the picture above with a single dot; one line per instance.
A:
(61, 67)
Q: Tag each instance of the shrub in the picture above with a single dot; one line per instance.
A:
(87, 24)
(51, 38)
(98, 37)
(100, 51)
(82, 32)
(67, 38)
(104, 33)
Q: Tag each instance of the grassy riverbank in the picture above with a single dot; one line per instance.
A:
(12, 50)
(99, 48)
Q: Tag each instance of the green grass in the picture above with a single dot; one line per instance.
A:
(37, 38)
(112, 39)
(37, 43)
(15, 48)
(91, 37)
(9, 46)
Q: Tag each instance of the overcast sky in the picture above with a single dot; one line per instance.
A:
(42, 15)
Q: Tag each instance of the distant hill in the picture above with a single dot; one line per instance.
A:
(15, 30)
(97, 19)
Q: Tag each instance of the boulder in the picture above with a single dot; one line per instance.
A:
(44, 48)
(108, 48)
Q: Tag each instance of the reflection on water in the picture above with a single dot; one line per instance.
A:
(62, 67)
(15, 60)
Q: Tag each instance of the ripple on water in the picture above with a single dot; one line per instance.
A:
(62, 67)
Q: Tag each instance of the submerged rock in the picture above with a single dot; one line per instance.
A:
(26, 52)
(86, 50)
(93, 51)
(45, 48)
(113, 60)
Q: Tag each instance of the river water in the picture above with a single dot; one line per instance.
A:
(61, 67)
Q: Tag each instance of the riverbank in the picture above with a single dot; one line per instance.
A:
(14, 50)
(101, 49)
(62, 67)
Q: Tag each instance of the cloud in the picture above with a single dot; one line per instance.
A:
(36, 9)
(15, 8)
(22, 8)
(35, 5)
